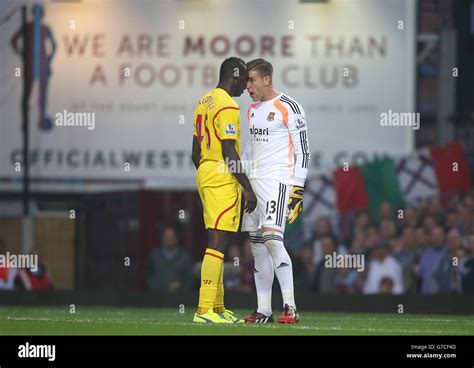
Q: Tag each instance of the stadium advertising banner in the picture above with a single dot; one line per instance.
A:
(112, 84)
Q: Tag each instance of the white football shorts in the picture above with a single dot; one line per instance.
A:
(272, 203)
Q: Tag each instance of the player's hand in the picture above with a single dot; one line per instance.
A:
(295, 204)
(250, 200)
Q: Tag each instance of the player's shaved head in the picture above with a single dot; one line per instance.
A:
(232, 67)
(233, 76)
(262, 66)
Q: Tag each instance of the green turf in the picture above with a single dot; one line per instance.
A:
(148, 321)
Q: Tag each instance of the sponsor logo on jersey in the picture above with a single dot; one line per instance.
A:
(230, 129)
(259, 134)
(258, 131)
(300, 123)
(271, 116)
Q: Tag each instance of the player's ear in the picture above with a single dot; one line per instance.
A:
(235, 81)
(267, 81)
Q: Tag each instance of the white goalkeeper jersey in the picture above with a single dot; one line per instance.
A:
(278, 144)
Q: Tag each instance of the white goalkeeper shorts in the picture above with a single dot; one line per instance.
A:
(272, 203)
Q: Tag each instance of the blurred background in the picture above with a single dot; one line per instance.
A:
(99, 96)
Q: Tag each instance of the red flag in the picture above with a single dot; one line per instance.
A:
(350, 189)
(450, 167)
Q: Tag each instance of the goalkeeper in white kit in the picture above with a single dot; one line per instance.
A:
(279, 155)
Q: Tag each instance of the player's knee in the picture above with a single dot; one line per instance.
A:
(218, 240)
(273, 241)
(216, 245)
(259, 250)
(256, 243)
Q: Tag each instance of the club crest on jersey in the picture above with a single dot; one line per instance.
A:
(271, 116)
(251, 115)
(230, 129)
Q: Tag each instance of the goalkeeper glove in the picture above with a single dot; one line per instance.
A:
(295, 204)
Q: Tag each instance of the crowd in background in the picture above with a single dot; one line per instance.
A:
(427, 248)
(423, 249)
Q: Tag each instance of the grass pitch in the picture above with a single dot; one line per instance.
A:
(30, 321)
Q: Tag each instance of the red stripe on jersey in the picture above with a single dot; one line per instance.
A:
(213, 255)
(223, 212)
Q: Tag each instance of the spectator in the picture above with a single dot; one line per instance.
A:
(232, 278)
(406, 260)
(409, 219)
(7, 273)
(451, 220)
(436, 210)
(240, 268)
(168, 268)
(429, 224)
(468, 267)
(459, 270)
(372, 237)
(422, 239)
(346, 281)
(325, 276)
(362, 223)
(38, 279)
(382, 264)
(388, 230)
(429, 262)
(322, 228)
(358, 245)
(466, 220)
(447, 274)
(386, 211)
(409, 238)
(386, 285)
(304, 269)
(409, 241)
(247, 283)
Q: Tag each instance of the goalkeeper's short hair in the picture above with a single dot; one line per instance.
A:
(264, 67)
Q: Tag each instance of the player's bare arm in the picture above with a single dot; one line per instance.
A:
(196, 153)
(231, 155)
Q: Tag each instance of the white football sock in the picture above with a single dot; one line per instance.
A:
(263, 273)
(273, 240)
